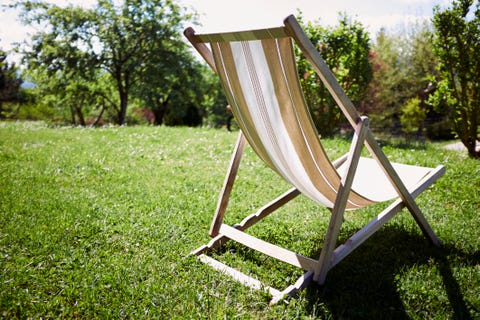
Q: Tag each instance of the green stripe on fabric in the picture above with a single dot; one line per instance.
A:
(271, 132)
(282, 72)
(244, 35)
(317, 167)
(300, 124)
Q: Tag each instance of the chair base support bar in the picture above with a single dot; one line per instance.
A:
(269, 249)
(237, 275)
(267, 209)
(277, 295)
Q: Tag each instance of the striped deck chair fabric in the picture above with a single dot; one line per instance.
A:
(260, 79)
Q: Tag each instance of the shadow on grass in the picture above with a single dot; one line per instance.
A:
(365, 284)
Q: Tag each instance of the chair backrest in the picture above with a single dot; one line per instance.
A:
(259, 75)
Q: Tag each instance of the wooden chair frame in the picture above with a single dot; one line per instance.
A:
(331, 254)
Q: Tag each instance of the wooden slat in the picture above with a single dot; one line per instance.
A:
(433, 176)
(363, 234)
(277, 295)
(243, 35)
(269, 249)
(212, 244)
(267, 209)
(322, 69)
(338, 162)
(238, 275)
(250, 220)
(201, 47)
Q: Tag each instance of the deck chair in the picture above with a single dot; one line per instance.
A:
(259, 75)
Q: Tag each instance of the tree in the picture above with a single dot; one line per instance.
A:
(345, 48)
(71, 97)
(457, 46)
(412, 117)
(404, 68)
(9, 83)
(217, 113)
(423, 74)
(123, 40)
(175, 97)
(388, 90)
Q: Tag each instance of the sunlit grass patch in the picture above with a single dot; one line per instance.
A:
(99, 223)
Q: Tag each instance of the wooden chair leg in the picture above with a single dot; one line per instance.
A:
(424, 225)
(341, 202)
(227, 185)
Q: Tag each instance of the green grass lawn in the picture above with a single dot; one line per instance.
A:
(99, 223)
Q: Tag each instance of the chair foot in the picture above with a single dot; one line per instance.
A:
(304, 281)
(436, 242)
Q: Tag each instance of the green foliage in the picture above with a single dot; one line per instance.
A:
(133, 47)
(404, 68)
(457, 44)
(99, 223)
(345, 48)
(9, 85)
(182, 97)
(215, 102)
(71, 97)
(412, 117)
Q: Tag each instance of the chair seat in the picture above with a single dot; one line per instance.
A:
(371, 182)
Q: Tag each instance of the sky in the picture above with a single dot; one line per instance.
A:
(231, 15)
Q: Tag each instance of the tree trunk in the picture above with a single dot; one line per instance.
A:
(78, 111)
(72, 115)
(159, 111)
(122, 113)
(471, 145)
(99, 117)
(123, 85)
(473, 134)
